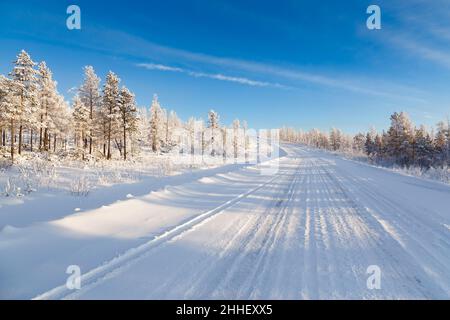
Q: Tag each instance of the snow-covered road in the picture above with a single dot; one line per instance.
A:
(308, 232)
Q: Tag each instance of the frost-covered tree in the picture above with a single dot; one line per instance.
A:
(89, 93)
(24, 87)
(246, 140)
(49, 105)
(335, 139)
(236, 136)
(423, 148)
(172, 123)
(442, 144)
(191, 131)
(359, 141)
(213, 125)
(156, 124)
(400, 139)
(9, 111)
(3, 100)
(80, 116)
(369, 145)
(110, 110)
(128, 117)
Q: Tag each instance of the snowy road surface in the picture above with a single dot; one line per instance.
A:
(308, 232)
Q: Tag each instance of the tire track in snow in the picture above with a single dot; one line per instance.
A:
(255, 247)
(389, 252)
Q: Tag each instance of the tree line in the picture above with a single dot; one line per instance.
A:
(102, 120)
(403, 144)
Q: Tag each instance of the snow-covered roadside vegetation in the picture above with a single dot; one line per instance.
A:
(35, 173)
(404, 148)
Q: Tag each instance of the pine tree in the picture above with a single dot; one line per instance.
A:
(369, 145)
(441, 144)
(23, 76)
(423, 148)
(128, 116)
(49, 103)
(213, 125)
(236, 129)
(9, 111)
(246, 140)
(379, 147)
(110, 108)
(172, 123)
(81, 124)
(89, 93)
(400, 139)
(191, 130)
(156, 118)
(335, 139)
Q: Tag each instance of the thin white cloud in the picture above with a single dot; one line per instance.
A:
(421, 28)
(423, 51)
(215, 76)
(240, 80)
(160, 67)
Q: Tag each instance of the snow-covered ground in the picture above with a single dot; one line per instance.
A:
(309, 231)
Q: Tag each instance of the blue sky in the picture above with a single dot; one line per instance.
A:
(298, 63)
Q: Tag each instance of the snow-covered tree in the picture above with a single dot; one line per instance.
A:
(81, 124)
(400, 139)
(172, 123)
(156, 124)
(359, 141)
(369, 145)
(49, 104)
(24, 87)
(110, 110)
(89, 93)
(9, 111)
(128, 117)
(335, 139)
(213, 125)
(442, 144)
(423, 148)
(236, 136)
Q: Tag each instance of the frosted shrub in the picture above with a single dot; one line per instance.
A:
(11, 189)
(28, 180)
(441, 174)
(164, 168)
(80, 187)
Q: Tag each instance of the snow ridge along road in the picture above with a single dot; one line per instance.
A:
(130, 256)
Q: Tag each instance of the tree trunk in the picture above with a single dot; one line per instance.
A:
(31, 139)
(12, 140)
(91, 117)
(40, 133)
(20, 139)
(124, 143)
(109, 142)
(45, 139)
